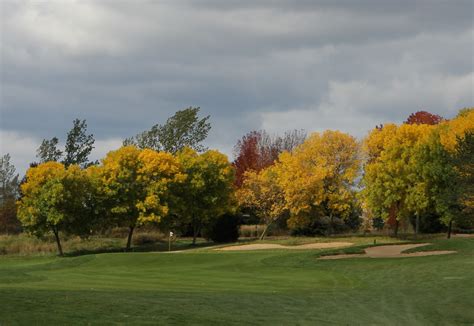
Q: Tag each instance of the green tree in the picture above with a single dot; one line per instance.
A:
(464, 165)
(183, 129)
(79, 145)
(437, 174)
(393, 184)
(8, 195)
(207, 191)
(48, 151)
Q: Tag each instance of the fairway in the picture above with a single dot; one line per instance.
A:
(274, 287)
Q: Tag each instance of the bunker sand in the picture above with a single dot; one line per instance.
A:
(392, 251)
(266, 246)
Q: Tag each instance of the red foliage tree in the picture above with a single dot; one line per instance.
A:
(248, 156)
(258, 150)
(423, 117)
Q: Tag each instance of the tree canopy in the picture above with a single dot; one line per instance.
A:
(79, 144)
(318, 177)
(258, 150)
(262, 193)
(424, 117)
(136, 185)
(9, 183)
(78, 148)
(207, 191)
(183, 129)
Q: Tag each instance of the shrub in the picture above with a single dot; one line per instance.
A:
(251, 231)
(378, 223)
(141, 239)
(322, 226)
(9, 223)
(224, 229)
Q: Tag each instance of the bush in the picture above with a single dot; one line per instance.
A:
(224, 229)
(378, 223)
(322, 226)
(429, 223)
(141, 239)
(251, 230)
(9, 224)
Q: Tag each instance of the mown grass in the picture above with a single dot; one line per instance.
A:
(239, 288)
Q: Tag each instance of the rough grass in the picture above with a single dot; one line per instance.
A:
(239, 288)
(146, 240)
(26, 245)
(255, 230)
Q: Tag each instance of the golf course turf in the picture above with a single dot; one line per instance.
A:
(274, 287)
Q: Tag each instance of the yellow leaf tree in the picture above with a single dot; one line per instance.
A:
(262, 193)
(137, 185)
(56, 199)
(318, 178)
(451, 131)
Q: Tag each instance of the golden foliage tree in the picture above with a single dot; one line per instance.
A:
(318, 177)
(452, 131)
(56, 199)
(137, 184)
(262, 193)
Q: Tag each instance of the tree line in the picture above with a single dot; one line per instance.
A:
(418, 173)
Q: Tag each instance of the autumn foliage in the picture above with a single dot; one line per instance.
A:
(410, 172)
(417, 173)
(423, 117)
(258, 150)
(131, 187)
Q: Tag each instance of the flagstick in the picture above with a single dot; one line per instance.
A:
(169, 240)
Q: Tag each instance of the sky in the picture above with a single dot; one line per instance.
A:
(275, 65)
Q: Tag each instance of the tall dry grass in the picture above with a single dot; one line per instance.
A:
(24, 244)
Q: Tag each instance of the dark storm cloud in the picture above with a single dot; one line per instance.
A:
(125, 65)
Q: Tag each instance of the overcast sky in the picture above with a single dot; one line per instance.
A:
(314, 65)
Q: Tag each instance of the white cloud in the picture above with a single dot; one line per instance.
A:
(21, 147)
(358, 106)
(103, 146)
(124, 66)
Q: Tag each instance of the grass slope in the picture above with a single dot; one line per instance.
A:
(235, 288)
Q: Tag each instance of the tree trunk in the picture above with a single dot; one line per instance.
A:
(58, 242)
(265, 231)
(129, 239)
(417, 225)
(450, 226)
(395, 231)
(331, 227)
(397, 223)
(195, 230)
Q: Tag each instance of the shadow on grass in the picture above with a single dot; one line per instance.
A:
(154, 247)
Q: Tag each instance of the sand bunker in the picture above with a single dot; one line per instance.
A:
(392, 251)
(266, 246)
